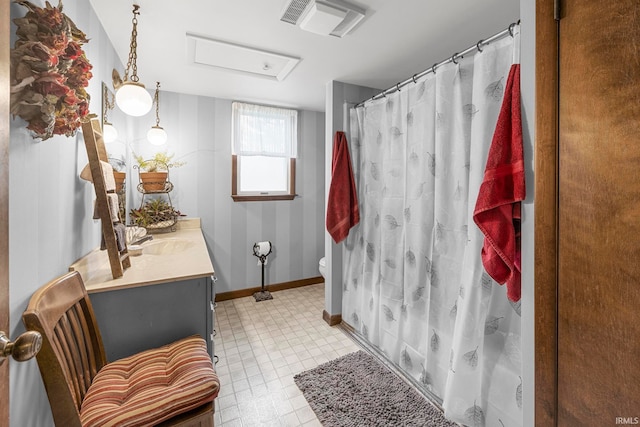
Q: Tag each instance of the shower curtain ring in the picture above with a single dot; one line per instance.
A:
(479, 46)
(511, 27)
(433, 68)
(398, 87)
(414, 79)
(453, 58)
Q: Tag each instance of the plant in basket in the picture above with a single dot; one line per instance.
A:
(155, 213)
(154, 171)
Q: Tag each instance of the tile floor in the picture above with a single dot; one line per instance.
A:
(261, 346)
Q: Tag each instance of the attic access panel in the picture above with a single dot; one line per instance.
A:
(239, 58)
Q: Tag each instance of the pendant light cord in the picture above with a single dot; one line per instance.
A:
(157, 100)
(109, 104)
(133, 54)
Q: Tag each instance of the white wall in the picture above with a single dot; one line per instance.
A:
(338, 94)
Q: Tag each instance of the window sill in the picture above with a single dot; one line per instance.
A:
(265, 198)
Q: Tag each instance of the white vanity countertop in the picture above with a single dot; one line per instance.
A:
(157, 264)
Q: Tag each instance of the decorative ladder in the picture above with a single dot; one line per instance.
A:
(119, 260)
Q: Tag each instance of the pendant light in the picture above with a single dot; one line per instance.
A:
(157, 135)
(109, 132)
(132, 98)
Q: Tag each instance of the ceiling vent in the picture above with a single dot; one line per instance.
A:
(293, 10)
(326, 17)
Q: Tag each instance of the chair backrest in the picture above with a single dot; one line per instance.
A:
(72, 351)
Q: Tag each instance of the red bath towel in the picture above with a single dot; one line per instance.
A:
(497, 211)
(342, 207)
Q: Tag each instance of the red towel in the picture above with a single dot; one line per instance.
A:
(342, 207)
(497, 211)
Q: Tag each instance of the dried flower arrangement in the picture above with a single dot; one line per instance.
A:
(49, 72)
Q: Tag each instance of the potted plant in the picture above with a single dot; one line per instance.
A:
(156, 213)
(154, 171)
(120, 178)
(119, 174)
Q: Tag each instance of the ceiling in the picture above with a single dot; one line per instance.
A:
(396, 39)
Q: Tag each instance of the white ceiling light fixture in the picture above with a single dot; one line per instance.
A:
(109, 132)
(326, 17)
(157, 135)
(131, 95)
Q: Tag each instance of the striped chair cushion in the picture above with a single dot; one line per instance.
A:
(152, 386)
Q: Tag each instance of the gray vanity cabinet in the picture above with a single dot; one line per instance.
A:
(136, 319)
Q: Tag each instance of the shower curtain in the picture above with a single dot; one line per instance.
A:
(414, 285)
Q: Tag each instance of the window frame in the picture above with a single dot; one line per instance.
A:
(262, 197)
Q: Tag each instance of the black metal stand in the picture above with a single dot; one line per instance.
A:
(262, 295)
(262, 261)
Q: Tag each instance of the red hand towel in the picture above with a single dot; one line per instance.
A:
(342, 207)
(497, 211)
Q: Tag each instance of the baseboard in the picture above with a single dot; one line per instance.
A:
(241, 293)
(347, 327)
(331, 319)
(382, 358)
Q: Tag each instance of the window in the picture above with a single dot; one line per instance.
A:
(264, 147)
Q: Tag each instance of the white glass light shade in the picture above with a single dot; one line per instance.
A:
(133, 99)
(157, 135)
(109, 132)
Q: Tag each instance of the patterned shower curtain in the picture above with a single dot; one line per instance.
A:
(414, 285)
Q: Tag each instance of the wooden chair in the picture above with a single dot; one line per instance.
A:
(173, 385)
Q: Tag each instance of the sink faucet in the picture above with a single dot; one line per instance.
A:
(142, 240)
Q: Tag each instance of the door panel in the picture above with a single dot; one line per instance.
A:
(546, 215)
(599, 213)
(4, 202)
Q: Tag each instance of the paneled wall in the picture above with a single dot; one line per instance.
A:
(50, 212)
(199, 130)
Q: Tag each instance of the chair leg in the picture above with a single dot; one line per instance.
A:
(199, 417)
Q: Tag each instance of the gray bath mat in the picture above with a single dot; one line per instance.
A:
(356, 390)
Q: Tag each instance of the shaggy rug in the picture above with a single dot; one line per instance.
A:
(357, 390)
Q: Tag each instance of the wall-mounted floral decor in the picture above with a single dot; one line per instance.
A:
(49, 72)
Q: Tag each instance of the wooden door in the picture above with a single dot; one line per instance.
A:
(599, 214)
(4, 202)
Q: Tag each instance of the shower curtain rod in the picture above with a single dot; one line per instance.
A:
(453, 58)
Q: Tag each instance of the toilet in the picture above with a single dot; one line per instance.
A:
(322, 266)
